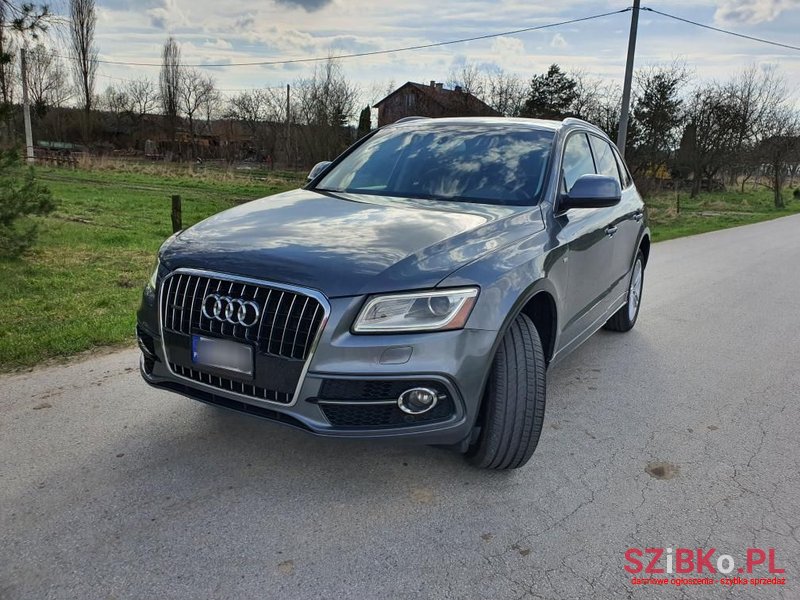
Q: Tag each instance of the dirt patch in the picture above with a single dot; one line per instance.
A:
(662, 470)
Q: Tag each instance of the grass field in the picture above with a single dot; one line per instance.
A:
(80, 286)
(676, 215)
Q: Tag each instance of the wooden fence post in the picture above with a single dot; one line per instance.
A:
(176, 213)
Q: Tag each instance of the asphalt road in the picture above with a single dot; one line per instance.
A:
(109, 489)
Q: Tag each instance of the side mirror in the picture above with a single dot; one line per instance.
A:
(592, 191)
(317, 169)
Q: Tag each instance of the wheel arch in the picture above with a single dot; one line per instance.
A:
(541, 309)
(539, 302)
(644, 246)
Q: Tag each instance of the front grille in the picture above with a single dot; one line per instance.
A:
(287, 326)
(354, 416)
(282, 332)
(232, 385)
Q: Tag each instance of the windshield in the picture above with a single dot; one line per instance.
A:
(489, 164)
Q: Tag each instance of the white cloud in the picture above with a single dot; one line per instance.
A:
(240, 31)
(558, 41)
(219, 44)
(751, 11)
(508, 47)
(167, 16)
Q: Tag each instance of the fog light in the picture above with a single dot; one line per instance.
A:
(417, 400)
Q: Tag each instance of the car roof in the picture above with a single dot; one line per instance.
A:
(545, 124)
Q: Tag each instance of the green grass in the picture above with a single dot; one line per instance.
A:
(676, 215)
(79, 288)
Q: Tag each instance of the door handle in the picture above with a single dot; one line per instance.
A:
(611, 230)
(638, 215)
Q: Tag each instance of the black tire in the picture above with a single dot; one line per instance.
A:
(622, 320)
(512, 414)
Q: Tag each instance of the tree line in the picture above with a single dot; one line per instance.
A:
(683, 131)
(182, 102)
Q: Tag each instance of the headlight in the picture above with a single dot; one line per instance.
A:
(153, 281)
(419, 311)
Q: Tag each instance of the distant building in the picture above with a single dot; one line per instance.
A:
(419, 100)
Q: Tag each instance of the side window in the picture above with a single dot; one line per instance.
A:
(604, 158)
(623, 170)
(577, 159)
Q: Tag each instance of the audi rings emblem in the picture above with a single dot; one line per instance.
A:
(233, 310)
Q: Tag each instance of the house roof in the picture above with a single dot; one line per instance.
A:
(454, 100)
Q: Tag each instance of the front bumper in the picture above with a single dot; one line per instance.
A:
(454, 362)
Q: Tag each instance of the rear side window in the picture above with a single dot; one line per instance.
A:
(623, 170)
(604, 158)
(577, 160)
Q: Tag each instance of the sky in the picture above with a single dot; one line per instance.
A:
(225, 31)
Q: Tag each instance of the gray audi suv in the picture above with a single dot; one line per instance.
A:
(418, 287)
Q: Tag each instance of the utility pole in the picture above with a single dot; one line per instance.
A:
(288, 128)
(622, 134)
(26, 107)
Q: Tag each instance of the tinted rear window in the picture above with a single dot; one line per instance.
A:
(496, 164)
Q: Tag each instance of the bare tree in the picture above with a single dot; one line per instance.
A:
(169, 83)
(505, 92)
(709, 134)
(326, 102)
(469, 78)
(194, 92)
(212, 106)
(83, 52)
(47, 80)
(143, 97)
(758, 95)
(117, 102)
(263, 114)
(378, 91)
(250, 107)
(587, 94)
(779, 149)
(606, 111)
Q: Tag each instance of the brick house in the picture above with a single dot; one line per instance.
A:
(416, 99)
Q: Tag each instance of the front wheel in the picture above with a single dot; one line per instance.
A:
(513, 404)
(625, 318)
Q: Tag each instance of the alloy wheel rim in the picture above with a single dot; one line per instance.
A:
(635, 291)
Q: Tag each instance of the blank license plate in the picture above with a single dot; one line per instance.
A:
(222, 354)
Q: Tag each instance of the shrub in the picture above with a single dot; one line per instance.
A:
(21, 197)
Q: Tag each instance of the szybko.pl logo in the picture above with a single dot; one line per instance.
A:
(698, 566)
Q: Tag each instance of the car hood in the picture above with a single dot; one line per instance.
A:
(347, 244)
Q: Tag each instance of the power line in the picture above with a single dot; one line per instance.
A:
(241, 89)
(725, 31)
(374, 52)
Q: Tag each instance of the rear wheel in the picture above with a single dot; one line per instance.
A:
(625, 318)
(514, 401)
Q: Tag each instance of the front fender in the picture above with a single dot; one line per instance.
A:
(509, 279)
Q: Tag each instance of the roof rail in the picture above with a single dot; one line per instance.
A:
(407, 119)
(577, 121)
